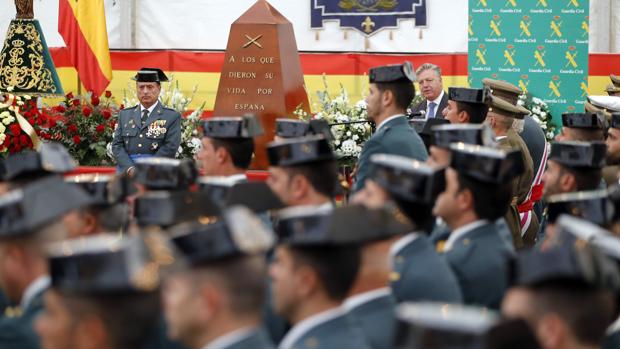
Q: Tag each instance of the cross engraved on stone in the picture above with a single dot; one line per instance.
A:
(253, 41)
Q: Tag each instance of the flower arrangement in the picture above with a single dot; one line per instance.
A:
(84, 124)
(13, 138)
(173, 97)
(540, 113)
(350, 125)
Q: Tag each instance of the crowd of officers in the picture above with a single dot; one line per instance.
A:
(447, 239)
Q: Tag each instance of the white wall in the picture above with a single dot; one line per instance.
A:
(204, 24)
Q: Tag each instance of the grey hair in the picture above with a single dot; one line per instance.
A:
(428, 66)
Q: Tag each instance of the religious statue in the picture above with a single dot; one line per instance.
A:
(24, 9)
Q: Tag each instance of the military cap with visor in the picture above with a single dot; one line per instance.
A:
(500, 106)
(503, 89)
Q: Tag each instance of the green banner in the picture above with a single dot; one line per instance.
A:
(539, 45)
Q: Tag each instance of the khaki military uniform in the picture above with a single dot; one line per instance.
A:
(521, 189)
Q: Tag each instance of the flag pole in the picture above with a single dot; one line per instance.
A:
(79, 85)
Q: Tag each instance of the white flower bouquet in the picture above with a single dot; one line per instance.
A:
(540, 113)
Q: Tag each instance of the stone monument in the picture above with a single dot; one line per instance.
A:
(262, 72)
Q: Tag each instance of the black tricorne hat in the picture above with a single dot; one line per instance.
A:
(392, 73)
(165, 173)
(150, 75)
(50, 158)
(232, 127)
(299, 151)
(474, 134)
(579, 154)
(592, 121)
(486, 164)
(407, 179)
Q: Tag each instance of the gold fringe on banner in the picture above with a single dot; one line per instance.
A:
(23, 123)
(346, 34)
(316, 35)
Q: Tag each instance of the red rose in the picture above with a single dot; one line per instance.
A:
(15, 129)
(76, 102)
(61, 108)
(31, 121)
(77, 140)
(7, 141)
(106, 114)
(52, 123)
(122, 106)
(108, 94)
(94, 100)
(23, 140)
(72, 128)
(86, 111)
(100, 129)
(70, 95)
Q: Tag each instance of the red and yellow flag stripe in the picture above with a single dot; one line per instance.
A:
(202, 68)
(83, 28)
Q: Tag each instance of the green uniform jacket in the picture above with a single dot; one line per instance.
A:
(18, 332)
(376, 320)
(336, 333)
(420, 274)
(480, 259)
(160, 136)
(394, 137)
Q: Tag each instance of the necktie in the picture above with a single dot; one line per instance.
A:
(431, 109)
(145, 115)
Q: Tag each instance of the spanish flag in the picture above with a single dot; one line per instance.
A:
(82, 26)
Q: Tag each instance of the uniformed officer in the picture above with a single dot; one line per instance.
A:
(390, 93)
(467, 105)
(216, 299)
(585, 127)
(108, 212)
(105, 292)
(418, 272)
(370, 304)
(535, 140)
(506, 120)
(228, 147)
(613, 89)
(31, 220)
(316, 262)
(449, 326)
(610, 172)
(567, 293)
(149, 128)
(574, 166)
(475, 197)
(303, 171)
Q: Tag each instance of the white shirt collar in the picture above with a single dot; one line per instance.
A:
(230, 338)
(359, 299)
(402, 242)
(308, 324)
(437, 101)
(301, 210)
(499, 138)
(38, 285)
(227, 181)
(462, 231)
(150, 109)
(388, 120)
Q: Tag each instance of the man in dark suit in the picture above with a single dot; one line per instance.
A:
(431, 86)
(149, 128)
(476, 195)
(390, 92)
(224, 283)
